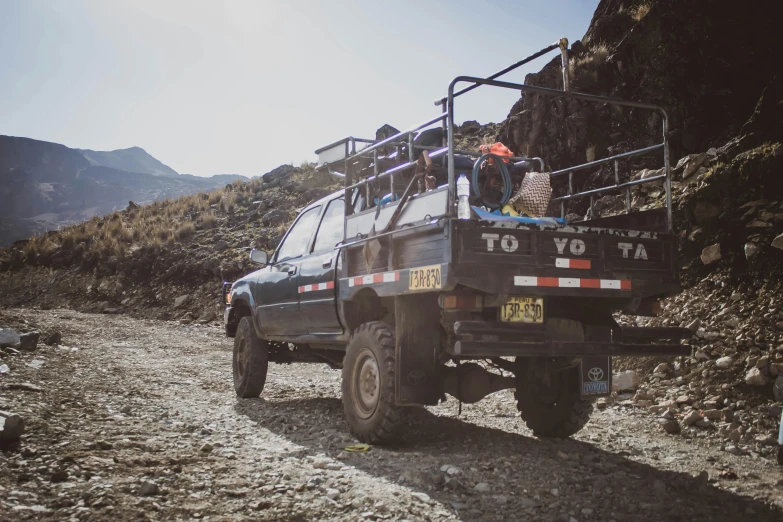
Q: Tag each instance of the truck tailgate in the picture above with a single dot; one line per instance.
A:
(639, 263)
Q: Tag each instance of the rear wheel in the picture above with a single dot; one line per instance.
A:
(368, 384)
(550, 407)
(250, 361)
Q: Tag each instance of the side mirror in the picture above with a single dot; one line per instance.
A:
(259, 257)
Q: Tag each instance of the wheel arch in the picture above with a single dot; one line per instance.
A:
(366, 306)
(239, 309)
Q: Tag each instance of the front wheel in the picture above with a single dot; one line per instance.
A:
(550, 407)
(368, 384)
(250, 360)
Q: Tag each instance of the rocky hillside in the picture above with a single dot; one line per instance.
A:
(707, 63)
(45, 186)
(143, 260)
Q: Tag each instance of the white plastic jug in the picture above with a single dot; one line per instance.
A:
(463, 193)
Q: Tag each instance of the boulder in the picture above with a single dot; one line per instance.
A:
(661, 368)
(28, 342)
(710, 254)
(275, 217)
(482, 487)
(691, 163)
(181, 300)
(53, 338)
(221, 245)
(148, 489)
(723, 362)
(757, 223)
(280, 172)
(11, 426)
(694, 325)
(755, 377)
(778, 242)
(692, 418)
(470, 127)
(8, 337)
(207, 317)
(704, 212)
(627, 380)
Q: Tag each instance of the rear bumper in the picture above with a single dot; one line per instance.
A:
(491, 339)
(481, 349)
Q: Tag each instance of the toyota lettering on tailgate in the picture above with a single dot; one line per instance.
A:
(509, 243)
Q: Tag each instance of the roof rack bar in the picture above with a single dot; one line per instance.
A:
(637, 152)
(555, 92)
(396, 137)
(609, 188)
(508, 69)
(349, 139)
(396, 169)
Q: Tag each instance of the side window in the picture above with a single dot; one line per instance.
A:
(295, 244)
(331, 230)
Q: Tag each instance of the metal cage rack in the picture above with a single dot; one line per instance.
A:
(351, 157)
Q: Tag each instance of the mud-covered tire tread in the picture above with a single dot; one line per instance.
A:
(545, 421)
(386, 423)
(252, 382)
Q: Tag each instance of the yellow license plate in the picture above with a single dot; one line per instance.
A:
(424, 278)
(523, 310)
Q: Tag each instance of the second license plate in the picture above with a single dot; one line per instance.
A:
(523, 310)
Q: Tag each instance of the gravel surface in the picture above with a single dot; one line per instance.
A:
(133, 419)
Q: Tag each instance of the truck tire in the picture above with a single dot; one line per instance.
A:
(250, 361)
(368, 384)
(553, 410)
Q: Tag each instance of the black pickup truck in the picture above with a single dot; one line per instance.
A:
(413, 302)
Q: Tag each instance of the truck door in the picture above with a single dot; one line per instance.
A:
(317, 294)
(277, 290)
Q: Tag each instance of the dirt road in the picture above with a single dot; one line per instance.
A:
(136, 419)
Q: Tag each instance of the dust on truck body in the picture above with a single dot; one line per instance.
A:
(413, 302)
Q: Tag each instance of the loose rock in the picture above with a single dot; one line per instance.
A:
(11, 426)
(711, 254)
(724, 362)
(671, 426)
(756, 377)
(28, 342)
(148, 489)
(8, 337)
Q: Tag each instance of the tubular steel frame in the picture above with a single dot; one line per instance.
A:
(576, 96)
(446, 119)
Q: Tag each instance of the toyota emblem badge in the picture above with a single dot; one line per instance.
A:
(595, 374)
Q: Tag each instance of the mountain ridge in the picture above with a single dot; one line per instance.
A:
(47, 185)
(132, 159)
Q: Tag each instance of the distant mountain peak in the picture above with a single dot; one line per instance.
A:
(132, 159)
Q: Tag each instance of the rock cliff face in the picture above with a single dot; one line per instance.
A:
(706, 62)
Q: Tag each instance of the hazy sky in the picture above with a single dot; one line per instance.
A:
(243, 86)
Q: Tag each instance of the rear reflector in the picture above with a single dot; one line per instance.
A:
(461, 302)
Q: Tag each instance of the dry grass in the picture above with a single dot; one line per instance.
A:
(162, 222)
(595, 57)
(640, 11)
(166, 222)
